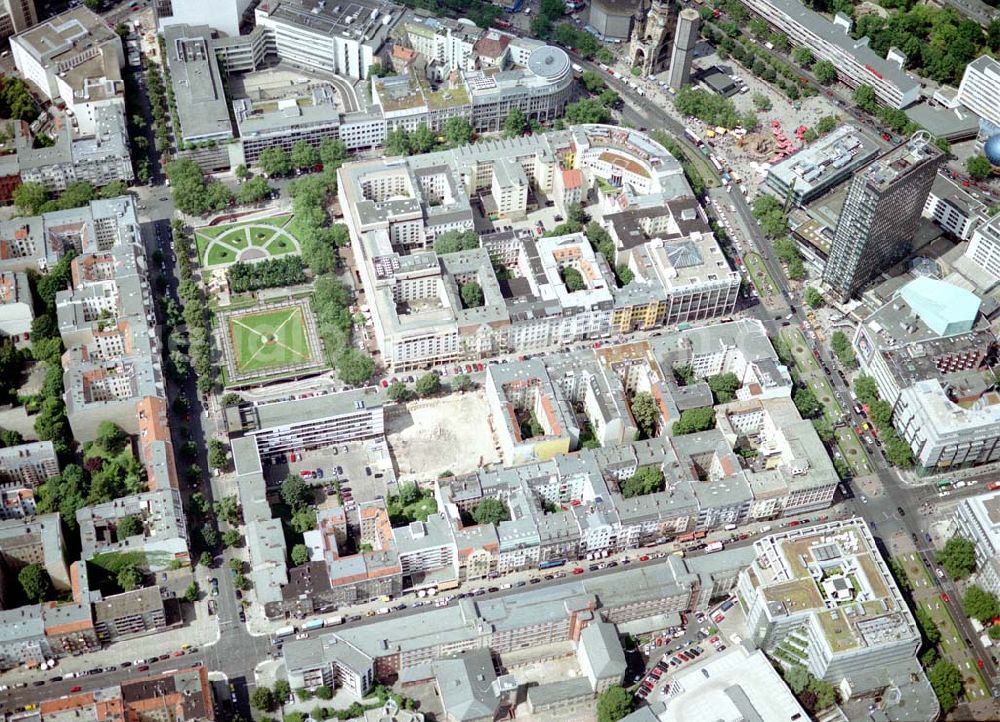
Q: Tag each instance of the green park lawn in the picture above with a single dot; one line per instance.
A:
(269, 339)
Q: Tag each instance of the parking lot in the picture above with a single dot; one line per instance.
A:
(704, 634)
(359, 466)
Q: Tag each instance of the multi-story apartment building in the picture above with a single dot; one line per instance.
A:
(682, 273)
(264, 535)
(163, 537)
(16, 307)
(929, 358)
(186, 694)
(445, 44)
(979, 90)
(977, 518)
(954, 209)
(823, 597)
(33, 540)
(17, 502)
(38, 242)
(883, 207)
(426, 546)
(523, 620)
(330, 661)
(99, 157)
(73, 57)
(283, 426)
(28, 464)
(856, 63)
(334, 578)
(130, 614)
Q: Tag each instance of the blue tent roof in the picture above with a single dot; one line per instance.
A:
(945, 308)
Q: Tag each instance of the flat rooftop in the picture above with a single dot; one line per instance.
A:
(363, 20)
(833, 155)
(834, 572)
(197, 83)
(898, 162)
(736, 685)
(73, 32)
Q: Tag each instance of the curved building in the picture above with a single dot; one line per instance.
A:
(541, 89)
(991, 149)
(612, 19)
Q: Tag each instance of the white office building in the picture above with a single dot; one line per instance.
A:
(979, 90)
(221, 15)
(856, 63)
(823, 597)
(977, 518)
(984, 252)
(952, 208)
(340, 38)
(63, 54)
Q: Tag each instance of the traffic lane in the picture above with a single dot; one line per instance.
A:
(566, 575)
(16, 697)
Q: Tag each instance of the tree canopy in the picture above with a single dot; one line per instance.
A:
(841, 346)
(295, 492)
(646, 413)
(980, 604)
(613, 704)
(807, 403)
(645, 480)
(708, 107)
(428, 384)
(695, 420)
(958, 557)
(490, 511)
(452, 241)
(35, 582)
(947, 683)
(724, 387)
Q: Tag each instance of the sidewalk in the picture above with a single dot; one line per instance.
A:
(199, 629)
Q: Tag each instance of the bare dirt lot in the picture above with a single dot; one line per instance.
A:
(430, 437)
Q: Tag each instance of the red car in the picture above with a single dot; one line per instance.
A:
(385, 383)
(179, 653)
(980, 664)
(77, 688)
(945, 598)
(143, 668)
(644, 558)
(578, 570)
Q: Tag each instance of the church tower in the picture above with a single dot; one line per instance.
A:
(651, 39)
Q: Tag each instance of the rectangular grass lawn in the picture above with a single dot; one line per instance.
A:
(269, 339)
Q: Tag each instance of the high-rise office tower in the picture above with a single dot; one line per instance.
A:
(16, 16)
(685, 39)
(880, 214)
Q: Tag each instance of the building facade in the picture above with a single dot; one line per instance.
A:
(855, 62)
(883, 207)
